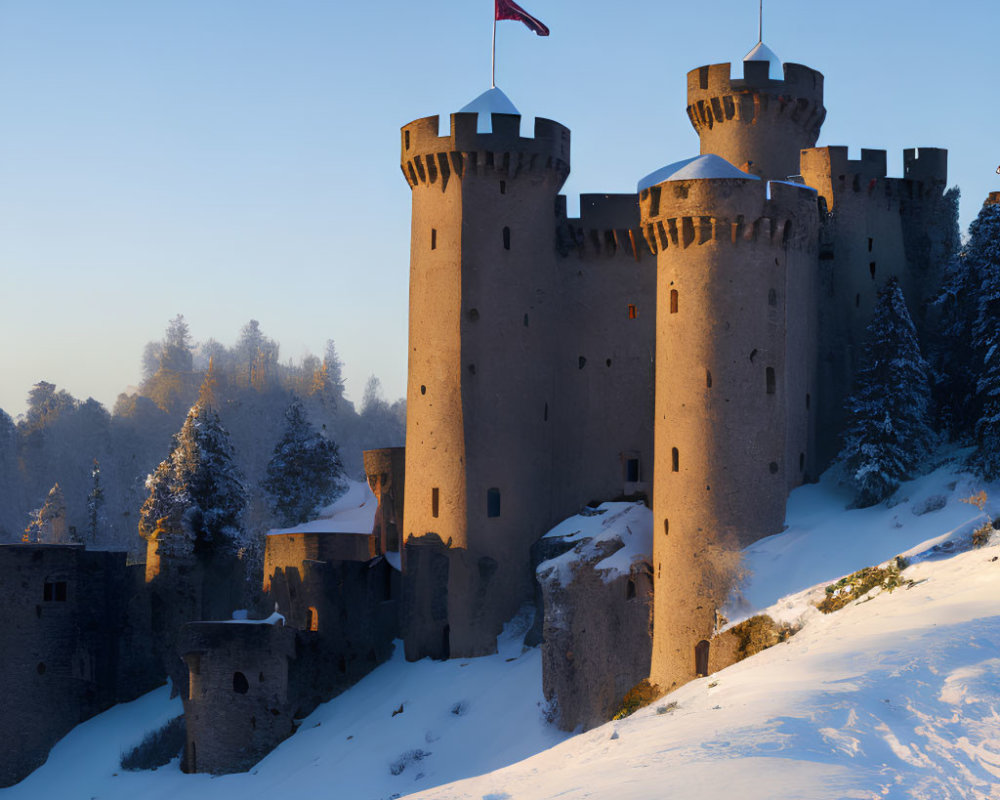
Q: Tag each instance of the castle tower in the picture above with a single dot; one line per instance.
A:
(757, 122)
(482, 268)
(735, 374)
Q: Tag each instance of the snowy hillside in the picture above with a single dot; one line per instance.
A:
(893, 696)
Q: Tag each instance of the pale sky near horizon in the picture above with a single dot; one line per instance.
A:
(238, 159)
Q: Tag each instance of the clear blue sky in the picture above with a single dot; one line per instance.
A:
(237, 159)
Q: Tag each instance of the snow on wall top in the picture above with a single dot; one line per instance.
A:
(761, 52)
(274, 619)
(700, 167)
(352, 512)
(630, 525)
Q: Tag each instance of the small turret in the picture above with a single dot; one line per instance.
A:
(757, 122)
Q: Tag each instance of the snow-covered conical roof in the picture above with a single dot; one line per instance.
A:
(492, 101)
(761, 52)
(699, 167)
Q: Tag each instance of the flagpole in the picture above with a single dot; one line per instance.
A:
(760, 23)
(493, 54)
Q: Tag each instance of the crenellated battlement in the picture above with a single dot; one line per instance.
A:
(927, 164)
(694, 212)
(428, 158)
(714, 97)
(992, 199)
(608, 225)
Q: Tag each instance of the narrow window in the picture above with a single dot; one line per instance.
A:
(632, 470)
(675, 460)
(772, 297)
(506, 238)
(673, 301)
(48, 592)
(632, 311)
(666, 527)
(871, 269)
(503, 187)
(434, 238)
(525, 320)
(607, 362)
(708, 378)
(406, 139)
(423, 389)
(802, 462)
(773, 467)
(769, 373)
(808, 400)
(545, 414)
(312, 618)
(240, 683)
(493, 502)
(435, 502)
(871, 243)
(630, 590)
(581, 362)
(472, 368)
(857, 300)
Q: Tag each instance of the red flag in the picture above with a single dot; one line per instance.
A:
(508, 9)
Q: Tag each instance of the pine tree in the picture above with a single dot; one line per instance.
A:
(197, 495)
(305, 472)
(48, 524)
(888, 432)
(983, 251)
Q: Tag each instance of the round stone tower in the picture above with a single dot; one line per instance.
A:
(482, 268)
(757, 122)
(735, 366)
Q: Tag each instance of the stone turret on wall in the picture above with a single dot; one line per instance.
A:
(757, 123)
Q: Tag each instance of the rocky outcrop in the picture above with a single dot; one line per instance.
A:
(597, 601)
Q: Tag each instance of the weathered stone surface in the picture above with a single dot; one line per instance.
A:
(597, 612)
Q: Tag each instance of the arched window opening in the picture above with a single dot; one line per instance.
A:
(435, 502)
(673, 301)
(632, 470)
(871, 269)
(666, 527)
(434, 238)
(506, 238)
(240, 683)
(675, 460)
(312, 619)
(769, 376)
(581, 362)
(630, 590)
(701, 652)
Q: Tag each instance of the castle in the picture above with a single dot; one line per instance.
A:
(689, 345)
(692, 343)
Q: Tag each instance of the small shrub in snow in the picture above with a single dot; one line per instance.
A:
(157, 748)
(666, 709)
(639, 696)
(858, 584)
(759, 633)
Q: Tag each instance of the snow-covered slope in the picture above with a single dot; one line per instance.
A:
(897, 696)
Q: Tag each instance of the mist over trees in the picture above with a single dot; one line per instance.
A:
(101, 460)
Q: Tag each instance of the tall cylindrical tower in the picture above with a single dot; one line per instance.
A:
(477, 459)
(728, 262)
(754, 122)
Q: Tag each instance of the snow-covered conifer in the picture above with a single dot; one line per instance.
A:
(984, 252)
(197, 493)
(305, 472)
(96, 518)
(888, 431)
(48, 524)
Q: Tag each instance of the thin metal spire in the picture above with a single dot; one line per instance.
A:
(760, 24)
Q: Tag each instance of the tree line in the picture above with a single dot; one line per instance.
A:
(71, 468)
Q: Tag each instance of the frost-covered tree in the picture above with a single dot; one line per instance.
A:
(197, 496)
(48, 524)
(96, 516)
(983, 251)
(888, 432)
(305, 472)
